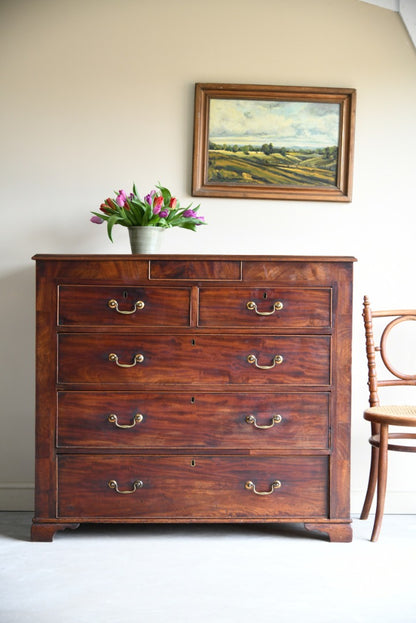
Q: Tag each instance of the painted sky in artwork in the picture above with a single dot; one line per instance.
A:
(285, 124)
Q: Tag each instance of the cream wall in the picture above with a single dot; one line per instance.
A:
(99, 93)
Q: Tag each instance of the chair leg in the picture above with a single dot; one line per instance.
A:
(382, 480)
(372, 481)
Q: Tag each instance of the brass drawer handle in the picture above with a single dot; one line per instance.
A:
(277, 359)
(276, 419)
(113, 419)
(112, 303)
(277, 306)
(250, 486)
(136, 359)
(137, 484)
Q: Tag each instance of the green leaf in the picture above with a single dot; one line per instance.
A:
(165, 194)
(128, 217)
(113, 220)
(148, 214)
(189, 225)
(137, 211)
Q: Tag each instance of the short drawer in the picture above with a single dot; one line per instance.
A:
(195, 268)
(265, 307)
(192, 487)
(183, 359)
(115, 305)
(193, 420)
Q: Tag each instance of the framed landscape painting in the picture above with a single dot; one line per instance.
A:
(271, 142)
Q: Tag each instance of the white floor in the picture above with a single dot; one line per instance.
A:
(207, 574)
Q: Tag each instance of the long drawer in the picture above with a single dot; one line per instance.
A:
(193, 420)
(186, 487)
(182, 359)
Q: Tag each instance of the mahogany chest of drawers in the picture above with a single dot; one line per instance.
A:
(193, 389)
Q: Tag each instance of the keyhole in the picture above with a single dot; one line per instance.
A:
(265, 295)
(193, 400)
(193, 342)
(193, 463)
(125, 294)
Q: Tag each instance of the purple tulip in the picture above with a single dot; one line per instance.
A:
(121, 198)
(201, 219)
(149, 198)
(96, 219)
(163, 213)
(190, 213)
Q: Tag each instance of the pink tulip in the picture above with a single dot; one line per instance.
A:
(121, 198)
(96, 219)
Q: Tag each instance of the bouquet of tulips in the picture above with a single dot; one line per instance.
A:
(156, 209)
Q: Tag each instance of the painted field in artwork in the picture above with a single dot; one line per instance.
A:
(292, 168)
(281, 143)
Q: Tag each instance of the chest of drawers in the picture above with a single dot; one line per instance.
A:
(193, 389)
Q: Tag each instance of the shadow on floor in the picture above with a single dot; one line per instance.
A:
(16, 525)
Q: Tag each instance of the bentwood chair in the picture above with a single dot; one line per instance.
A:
(380, 416)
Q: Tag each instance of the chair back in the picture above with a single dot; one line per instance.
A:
(393, 318)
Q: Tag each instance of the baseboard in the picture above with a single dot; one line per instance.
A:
(17, 496)
(20, 497)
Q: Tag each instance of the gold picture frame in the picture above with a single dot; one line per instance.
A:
(273, 142)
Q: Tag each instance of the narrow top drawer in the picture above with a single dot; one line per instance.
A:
(265, 307)
(200, 269)
(130, 306)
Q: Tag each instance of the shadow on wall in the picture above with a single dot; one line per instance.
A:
(17, 378)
